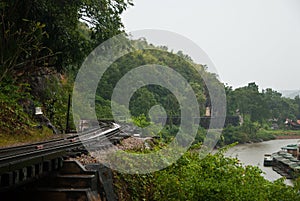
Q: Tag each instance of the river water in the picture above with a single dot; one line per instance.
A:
(253, 154)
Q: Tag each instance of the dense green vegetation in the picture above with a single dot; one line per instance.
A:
(213, 178)
(40, 34)
(151, 95)
(261, 107)
(261, 111)
(43, 44)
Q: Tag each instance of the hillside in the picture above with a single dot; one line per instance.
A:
(43, 44)
(290, 93)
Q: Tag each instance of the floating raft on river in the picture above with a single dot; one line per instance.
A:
(285, 162)
(268, 160)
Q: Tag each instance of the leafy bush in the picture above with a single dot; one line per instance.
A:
(213, 178)
(248, 131)
(13, 119)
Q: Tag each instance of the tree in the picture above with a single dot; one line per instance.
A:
(249, 101)
(21, 47)
(297, 101)
(41, 33)
(141, 103)
(42, 45)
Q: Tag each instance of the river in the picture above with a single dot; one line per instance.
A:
(253, 154)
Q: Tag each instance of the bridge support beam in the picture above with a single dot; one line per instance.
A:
(38, 168)
(55, 163)
(23, 174)
(16, 177)
(31, 171)
(47, 166)
(6, 179)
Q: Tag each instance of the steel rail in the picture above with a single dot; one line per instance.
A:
(11, 151)
(97, 135)
(22, 164)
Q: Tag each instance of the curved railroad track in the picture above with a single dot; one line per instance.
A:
(21, 164)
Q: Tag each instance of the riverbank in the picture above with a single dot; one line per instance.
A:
(253, 154)
(278, 134)
(282, 137)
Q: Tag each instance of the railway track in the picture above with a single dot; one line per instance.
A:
(10, 151)
(21, 164)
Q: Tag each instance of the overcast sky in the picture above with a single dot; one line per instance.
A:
(248, 40)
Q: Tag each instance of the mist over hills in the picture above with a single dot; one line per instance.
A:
(290, 93)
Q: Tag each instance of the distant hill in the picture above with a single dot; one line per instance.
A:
(290, 93)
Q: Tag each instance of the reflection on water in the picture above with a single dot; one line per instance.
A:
(253, 154)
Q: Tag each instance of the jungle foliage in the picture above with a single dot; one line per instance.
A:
(213, 178)
(52, 34)
(147, 97)
(261, 106)
(42, 45)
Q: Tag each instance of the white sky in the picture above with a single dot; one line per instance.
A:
(248, 40)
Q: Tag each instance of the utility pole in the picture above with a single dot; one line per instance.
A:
(68, 115)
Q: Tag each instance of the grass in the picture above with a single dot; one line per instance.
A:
(279, 134)
(265, 135)
(31, 136)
